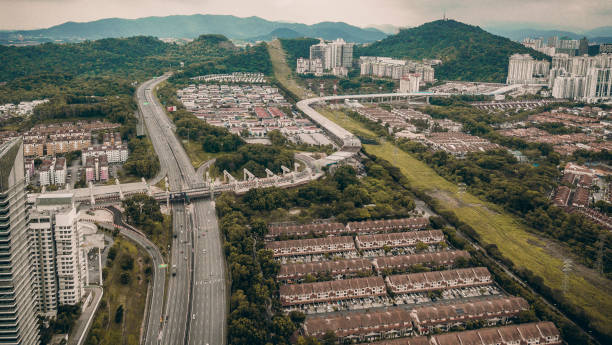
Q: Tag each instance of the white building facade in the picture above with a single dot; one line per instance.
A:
(337, 53)
(410, 83)
(523, 69)
(58, 256)
(584, 77)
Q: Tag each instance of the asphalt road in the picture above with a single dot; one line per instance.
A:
(156, 295)
(196, 306)
(83, 324)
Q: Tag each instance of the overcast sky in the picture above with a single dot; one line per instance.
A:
(567, 14)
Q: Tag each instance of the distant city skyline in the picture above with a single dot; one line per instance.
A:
(558, 14)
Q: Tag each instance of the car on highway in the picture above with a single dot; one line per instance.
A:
(173, 270)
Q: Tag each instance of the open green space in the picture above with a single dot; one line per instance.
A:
(196, 153)
(282, 72)
(110, 326)
(586, 289)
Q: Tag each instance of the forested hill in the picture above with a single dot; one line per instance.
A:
(47, 70)
(467, 52)
(135, 55)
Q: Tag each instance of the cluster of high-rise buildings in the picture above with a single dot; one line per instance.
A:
(587, 78)
(335, 57)
(555, 45)
(43, 251)
(58, 254)
(523, 69)
(386, 67)
(584, 77)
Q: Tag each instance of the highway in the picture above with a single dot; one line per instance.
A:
(196, 305)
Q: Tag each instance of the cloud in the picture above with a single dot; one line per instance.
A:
(21, 14)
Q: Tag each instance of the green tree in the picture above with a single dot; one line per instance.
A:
(119, 314)
(125, 278)
(329, 338)
(420, 246)
(126, 261)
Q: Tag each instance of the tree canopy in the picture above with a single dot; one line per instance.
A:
(467, 52)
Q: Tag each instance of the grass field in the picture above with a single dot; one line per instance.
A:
(105, 331)
(162, 235)
(586, 288)
(282, 72)
(347, 123)
(196, 153)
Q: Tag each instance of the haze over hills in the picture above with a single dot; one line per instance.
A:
(467, 52)
(599, 35)
(192, 26)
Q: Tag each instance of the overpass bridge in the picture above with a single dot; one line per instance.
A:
(348, 142)
(287, 179)
(115, 193)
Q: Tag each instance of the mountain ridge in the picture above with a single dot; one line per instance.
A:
(191, 26)
(519, 33)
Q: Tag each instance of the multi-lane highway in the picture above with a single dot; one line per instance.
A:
(196, 304)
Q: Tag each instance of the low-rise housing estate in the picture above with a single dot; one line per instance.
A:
(335, 290)
(438, 280)
(399, 239)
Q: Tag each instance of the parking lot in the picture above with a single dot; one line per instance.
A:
(432, 248)
(317, 257)
(450, 294)
(345, 305)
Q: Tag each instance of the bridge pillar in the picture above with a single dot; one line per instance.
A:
(120, 191)
(91, 193)
(100, 266)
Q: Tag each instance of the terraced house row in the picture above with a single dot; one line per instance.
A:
(347, 268)
(437, 280)
(338, 229)
(329, 291)
(399, 239)
(401, 322)
(337, 290)
(543, 333)
(345, 243)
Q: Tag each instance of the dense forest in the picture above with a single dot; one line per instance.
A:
(111, 66)
(251, 59)
(297, 48)
(135, 57)
(467, 52)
